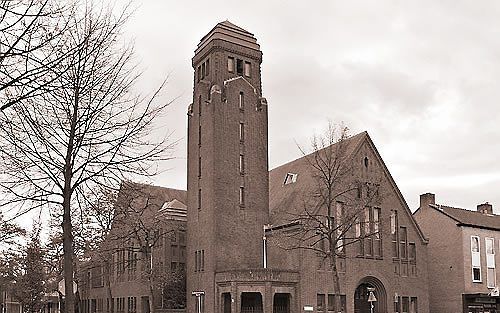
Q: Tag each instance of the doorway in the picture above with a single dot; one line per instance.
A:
(251, 302)
(362, 294)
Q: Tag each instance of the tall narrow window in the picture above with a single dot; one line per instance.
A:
(394, 234)
(320, 302)
(203, 73)
(199, 199)
(376, 231)
(230, 64)
(242, 164)
(241, 103)
(403, 241)
(199, 167)
(339, 208)
(412, 252)
(476, 259)
(247, 69)
(207, 66)
(239, 67)
(490, 263)
(199, 73)
(242, 196)
(242, 131)
(368, 232)
(202, 263)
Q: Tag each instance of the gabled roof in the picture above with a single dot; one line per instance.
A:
(284, 197)
(470, 218)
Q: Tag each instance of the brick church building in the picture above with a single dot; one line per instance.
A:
(238, 210)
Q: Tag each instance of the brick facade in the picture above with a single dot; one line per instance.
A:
(232, 197)
(450, 231)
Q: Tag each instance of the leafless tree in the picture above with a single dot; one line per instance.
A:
(27, 29)
(90, 131)
(335, 210)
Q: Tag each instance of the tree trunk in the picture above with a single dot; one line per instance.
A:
(68, 256)
(336, 282)
(109, 268)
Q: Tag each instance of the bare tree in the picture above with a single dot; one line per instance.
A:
(335, 209)
(9, 231)
(90, 131)
(27, 30)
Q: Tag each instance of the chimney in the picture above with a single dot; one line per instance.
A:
(426, 199)
(485, 208)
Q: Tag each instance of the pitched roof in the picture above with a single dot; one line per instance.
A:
(470, 218)
(283, 198)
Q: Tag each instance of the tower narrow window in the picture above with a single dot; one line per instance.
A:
(199, 167)
(247, 69)
(207, 67)
(242, 164)
(199, 73)
(241, 103)
(199, 199)
(242, 131)
(230, 64)
(203, 70)
(239, 67)
(242, 196)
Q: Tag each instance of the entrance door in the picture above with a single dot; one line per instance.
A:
(281, 303)
(361, 304)
(251, 302)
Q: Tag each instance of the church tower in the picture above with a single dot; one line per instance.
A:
(228, 184)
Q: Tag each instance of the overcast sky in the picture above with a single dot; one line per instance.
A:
(421, 77)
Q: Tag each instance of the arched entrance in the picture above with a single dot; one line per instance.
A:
(362, 292)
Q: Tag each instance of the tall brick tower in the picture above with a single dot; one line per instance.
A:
(228, 184)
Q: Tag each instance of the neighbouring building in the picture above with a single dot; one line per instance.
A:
(237, 209)
(140, 265)
(463, 256)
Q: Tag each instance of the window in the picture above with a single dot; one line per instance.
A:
(365, 162)
(339, 209)
(199, 73)
(242, 196)
(199, 260)
(490, 263)
(241, 102)
(412, 252)
(331, 303)
(491, 278)
(247, 69)
(199, 199)
(474, 244)
(132, 304)
(413, 305)
(230, 64)
(173, 250)
(405, 304)
(475, 259)
(242, 131)
(394, 234)
(403, 241)
(320, 302)
(290, 178)
(132, 264)
(199, 167)
(203, 73)
(476, 274)
(207, 66)
(242, 164)
(376, 231)
(239, 67)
